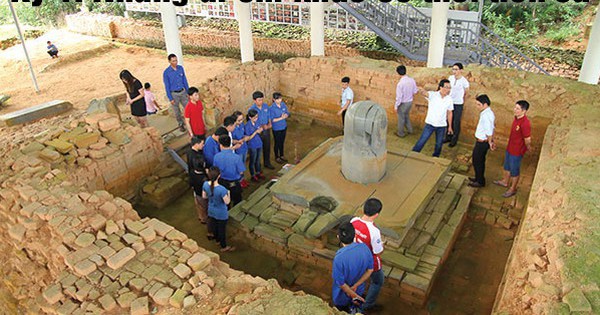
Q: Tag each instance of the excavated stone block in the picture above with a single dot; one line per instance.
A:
(107, 302)
(162, 296)
(139, 306)
(160, 227)
(48, 109)
(53, 293)
(182, 271)
(109, 123)
(120, 258)
(61, 146)
(199, 261)
(85, 267)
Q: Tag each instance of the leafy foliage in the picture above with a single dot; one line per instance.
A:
(52, 12)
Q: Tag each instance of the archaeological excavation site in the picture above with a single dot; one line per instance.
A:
(98, 216)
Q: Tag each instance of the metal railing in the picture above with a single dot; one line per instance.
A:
(403, 26)
(407, 29)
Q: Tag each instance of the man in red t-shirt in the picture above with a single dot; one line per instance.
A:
(519, 142)
(193, 114)
(369, 234)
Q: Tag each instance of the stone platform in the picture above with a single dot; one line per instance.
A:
(409, 182)
(48, 109)
(424, 209)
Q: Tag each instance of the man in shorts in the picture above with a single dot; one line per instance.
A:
(519, 142)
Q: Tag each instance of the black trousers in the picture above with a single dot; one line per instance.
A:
(220, 231)
(279, 139)
(456, 119)
(343, 119)
(235, 190)
(265, 136)
(479, 152)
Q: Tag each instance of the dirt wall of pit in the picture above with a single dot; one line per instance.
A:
(71, 247)
(553, 266)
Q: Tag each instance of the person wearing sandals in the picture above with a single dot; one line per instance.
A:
(279, 114)
(519, 142)
(218, 199)
(197, 175)
(255, 145)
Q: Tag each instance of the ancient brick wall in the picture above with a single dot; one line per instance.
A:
(311, 86)
(70, 250)
(552, 266)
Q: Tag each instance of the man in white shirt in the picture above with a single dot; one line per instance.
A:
(460, 86)
(439, 114)
(368, 234)
(347, 99)
(484, 136)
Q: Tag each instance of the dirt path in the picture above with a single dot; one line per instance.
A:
(79, 76)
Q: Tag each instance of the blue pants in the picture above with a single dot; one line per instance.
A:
(254, 163)
(440, 133)
(377, 278)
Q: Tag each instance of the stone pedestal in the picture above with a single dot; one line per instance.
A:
(364, 151)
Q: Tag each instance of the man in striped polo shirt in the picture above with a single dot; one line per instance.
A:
(369, 234)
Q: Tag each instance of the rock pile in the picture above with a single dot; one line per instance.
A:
(71, 249)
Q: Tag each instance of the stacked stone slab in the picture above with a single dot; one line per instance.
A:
(71, 250)
(287, 231)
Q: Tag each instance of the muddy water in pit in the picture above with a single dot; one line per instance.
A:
(467, 283)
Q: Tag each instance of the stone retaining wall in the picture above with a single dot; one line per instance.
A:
(311, 87)
(71, 247)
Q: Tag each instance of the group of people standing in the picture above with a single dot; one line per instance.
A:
(217, 164)
(359, 258)
(357, 261)
(444, 115)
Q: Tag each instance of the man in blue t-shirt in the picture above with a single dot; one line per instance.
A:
(232, 169)
(212, 147)
(176, 86)
(352, 266)
(264, 120)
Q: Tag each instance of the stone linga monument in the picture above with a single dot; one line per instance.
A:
(364, 152)
(423, 203)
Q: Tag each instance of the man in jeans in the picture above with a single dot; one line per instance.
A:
(176, 86)
(405, 90)
(439, 116)
(368, 234)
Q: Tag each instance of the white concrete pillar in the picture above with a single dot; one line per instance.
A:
(437, 34)
(171, 31)
(317, 29)
(242, 14)
(590, 69)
